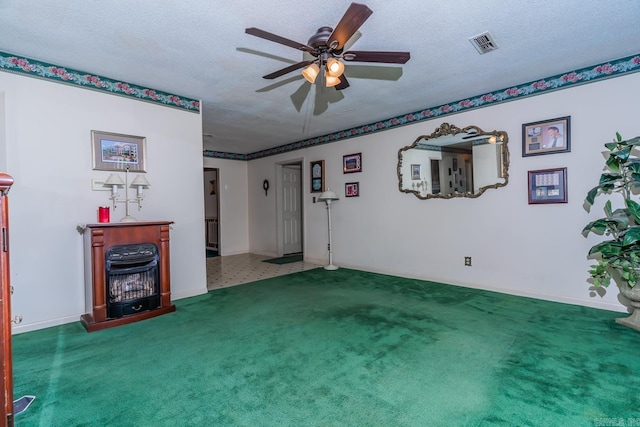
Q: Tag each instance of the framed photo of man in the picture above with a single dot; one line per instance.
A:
(546, 137)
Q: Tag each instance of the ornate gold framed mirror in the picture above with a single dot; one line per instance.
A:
(454, 162)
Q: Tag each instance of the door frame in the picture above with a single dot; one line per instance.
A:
(279, 211)
(217, 190)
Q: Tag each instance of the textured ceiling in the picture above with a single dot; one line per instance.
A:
(198, 49)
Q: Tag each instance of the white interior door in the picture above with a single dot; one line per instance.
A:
(291, 209)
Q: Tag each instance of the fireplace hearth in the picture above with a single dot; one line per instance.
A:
(132, 279)
(126, 273)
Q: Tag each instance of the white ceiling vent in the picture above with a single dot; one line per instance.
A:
(484, 43)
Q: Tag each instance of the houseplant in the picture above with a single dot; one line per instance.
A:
(618, 257)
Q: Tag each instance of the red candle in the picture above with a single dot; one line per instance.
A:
(103, 214)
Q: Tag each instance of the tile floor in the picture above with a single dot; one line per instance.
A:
(231, 270)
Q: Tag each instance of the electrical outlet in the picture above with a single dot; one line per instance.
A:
(467, 261)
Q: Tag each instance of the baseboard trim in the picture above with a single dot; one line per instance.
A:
(29, 327)
(509, 291)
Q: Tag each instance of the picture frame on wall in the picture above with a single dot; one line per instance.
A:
(352, 189)
(415, 172)
(546, 137)
(118, 152)
(548, 186)
(317, 176)
(352, 163)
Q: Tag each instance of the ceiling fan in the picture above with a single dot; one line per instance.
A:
(326, 47)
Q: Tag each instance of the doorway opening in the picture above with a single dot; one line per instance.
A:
(211, 178)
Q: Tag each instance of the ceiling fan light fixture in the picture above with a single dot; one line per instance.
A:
(311, 72)
(332, 81)
(335, 68)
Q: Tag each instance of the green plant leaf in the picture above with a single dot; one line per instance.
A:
(598, 226)
(622, 154)
(634, 210)
(607, 208)
(613, 163)
(634, 141)
(634, 166)
(620, 217)
(632, 236)
(608, 249)
(607, 178)
(591, 195)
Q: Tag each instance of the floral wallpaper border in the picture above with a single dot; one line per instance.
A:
(22, 65)
(34, 68)
(609, 69)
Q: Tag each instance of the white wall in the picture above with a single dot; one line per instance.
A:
(234, 208)
(531, 250)
(3, 137)
(48, 153)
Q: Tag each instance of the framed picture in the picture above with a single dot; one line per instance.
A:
(117, 152)
(352, 189)
(548, 186)
(415, 172)
(317, 176)
(546, 137)
(352, 163)
(455, 163)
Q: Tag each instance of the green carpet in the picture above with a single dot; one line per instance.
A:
(284, 259)
(337, 348)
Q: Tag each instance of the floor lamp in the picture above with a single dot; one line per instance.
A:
(327, 197)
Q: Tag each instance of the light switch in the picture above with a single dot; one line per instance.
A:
(98, 185)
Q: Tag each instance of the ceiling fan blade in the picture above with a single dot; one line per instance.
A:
(287, 70)
(275, 38)
(373, 56)
(344, 83)
(352, 19)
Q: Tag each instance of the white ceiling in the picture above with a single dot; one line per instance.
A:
(198, 49)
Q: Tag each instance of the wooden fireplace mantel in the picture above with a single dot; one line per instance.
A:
(98, 238)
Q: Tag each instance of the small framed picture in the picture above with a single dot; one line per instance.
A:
(548, 186)
(415, 172)
(317, 176)
(117, 152)
(352, 163)
(352, 189)
(546, 137)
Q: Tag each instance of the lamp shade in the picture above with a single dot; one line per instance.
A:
(311, 72)
(328, 195)
(335, 68)
(140, 181)
(332, 81)
(114, 179)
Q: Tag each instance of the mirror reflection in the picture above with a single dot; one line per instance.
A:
(454, 162)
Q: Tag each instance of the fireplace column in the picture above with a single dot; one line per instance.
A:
(99, 243)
